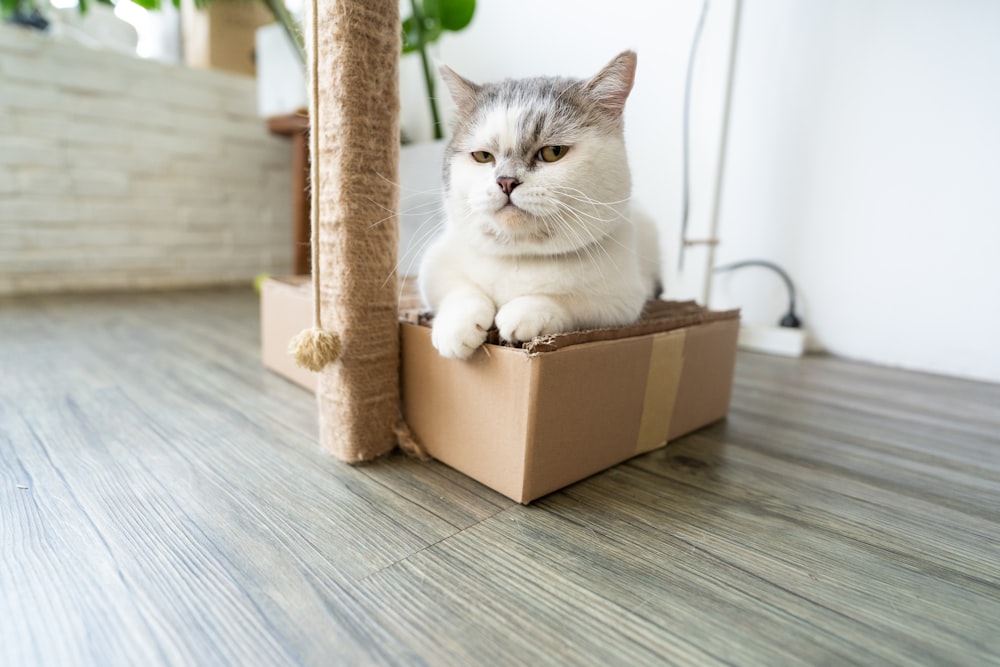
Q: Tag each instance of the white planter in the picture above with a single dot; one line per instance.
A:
(99, 28)
(420, 200)
(281, 80)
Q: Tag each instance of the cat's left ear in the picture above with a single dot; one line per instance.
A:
(463, 91)
(611, 86)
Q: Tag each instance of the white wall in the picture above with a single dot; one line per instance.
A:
(863, 153)
(119, 173)
(865, 158)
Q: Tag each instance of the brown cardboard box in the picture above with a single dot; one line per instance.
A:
(529, 420)
(221, 35)
(285, 310)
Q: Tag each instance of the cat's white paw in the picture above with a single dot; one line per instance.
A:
(460, 328)
(529, 316)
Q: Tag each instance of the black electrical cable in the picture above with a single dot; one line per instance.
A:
(789, 319)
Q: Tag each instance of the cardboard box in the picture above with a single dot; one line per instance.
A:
(529, 420)
(285, 310)
(222, 35)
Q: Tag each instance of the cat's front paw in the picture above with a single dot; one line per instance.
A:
(529, 316)
(459, 329)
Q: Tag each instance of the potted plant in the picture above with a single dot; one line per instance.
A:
(428, 21)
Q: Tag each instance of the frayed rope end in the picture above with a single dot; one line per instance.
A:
(407, 441)
(314, 348)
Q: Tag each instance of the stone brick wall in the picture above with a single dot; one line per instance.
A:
(120, 173)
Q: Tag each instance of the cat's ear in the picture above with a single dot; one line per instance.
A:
(463, 91)
(610, 87)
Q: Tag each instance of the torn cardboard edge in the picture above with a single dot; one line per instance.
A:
(657, 317)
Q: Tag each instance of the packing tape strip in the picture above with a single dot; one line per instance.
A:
(665, 363)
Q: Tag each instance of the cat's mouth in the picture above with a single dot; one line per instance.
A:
(510, 207)
(512, 216)
(512, 225)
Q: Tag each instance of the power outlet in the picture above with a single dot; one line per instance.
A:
(782, 341)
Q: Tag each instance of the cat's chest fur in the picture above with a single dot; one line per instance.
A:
(605, 267)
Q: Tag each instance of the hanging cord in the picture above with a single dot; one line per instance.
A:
(686, 134)
(790, 319)
(314, 348)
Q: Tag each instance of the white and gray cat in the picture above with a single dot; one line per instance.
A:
(540, 237)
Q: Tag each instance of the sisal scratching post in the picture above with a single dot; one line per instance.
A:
(355, 120)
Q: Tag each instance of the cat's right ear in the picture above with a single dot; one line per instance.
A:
(463, 91)
(611, 86)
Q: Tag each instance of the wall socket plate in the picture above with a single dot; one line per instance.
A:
(782, 341)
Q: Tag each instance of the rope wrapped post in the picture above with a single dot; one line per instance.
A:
(355, 48)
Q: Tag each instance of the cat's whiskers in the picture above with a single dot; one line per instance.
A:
(595, 205)
(583, 219)
(424, 237)
(424, 209)
(567, 230)
(432, 213)
(618, 215)
(413, 191)
(573, 233)
(584, 197)
(429, 210)
(594, 240)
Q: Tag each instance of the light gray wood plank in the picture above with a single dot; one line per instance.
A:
(163, 500)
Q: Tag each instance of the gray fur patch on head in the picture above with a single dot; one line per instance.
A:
(556, 110)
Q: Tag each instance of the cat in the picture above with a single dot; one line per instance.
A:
(539, 237)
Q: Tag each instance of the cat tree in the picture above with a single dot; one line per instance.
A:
(354, 48)
(679, 365)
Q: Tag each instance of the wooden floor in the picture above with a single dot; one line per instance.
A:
(163, 501)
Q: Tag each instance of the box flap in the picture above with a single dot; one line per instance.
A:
(657, 316)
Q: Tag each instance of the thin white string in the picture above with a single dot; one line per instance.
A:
(314, 163)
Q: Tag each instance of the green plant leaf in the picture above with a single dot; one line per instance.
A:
(432, 30)
(158, 4)
(429, 20)
(411, 38)
(454, 14)
(83, 6)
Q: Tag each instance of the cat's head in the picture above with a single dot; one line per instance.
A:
(538, 166)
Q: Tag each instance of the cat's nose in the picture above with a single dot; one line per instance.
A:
(507, 184)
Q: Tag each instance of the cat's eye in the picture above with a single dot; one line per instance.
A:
(552, 153)
(482, 156)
